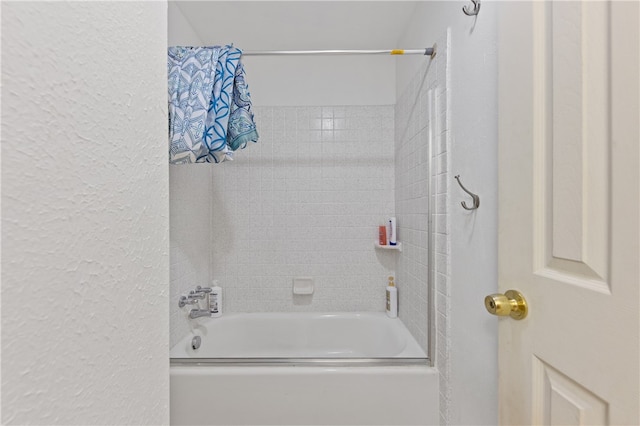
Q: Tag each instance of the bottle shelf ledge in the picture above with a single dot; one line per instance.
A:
(398, 246)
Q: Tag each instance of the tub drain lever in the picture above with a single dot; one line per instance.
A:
(195, 342)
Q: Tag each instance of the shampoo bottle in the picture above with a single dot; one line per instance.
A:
(392, 299)
(215, 300)
(392, 232)
(382, 235)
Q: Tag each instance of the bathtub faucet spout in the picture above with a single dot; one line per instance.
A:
(197, 313)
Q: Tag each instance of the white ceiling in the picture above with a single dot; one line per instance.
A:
(300, 25)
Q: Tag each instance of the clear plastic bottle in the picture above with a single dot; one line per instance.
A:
(215, 300)
(392, 299)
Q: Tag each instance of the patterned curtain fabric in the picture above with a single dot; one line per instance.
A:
(209, 104)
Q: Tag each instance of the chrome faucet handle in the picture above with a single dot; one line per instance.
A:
(200, 289)
(196, 295)
(184, 300)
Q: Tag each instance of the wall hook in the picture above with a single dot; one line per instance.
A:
(476, 199)
(472, 11)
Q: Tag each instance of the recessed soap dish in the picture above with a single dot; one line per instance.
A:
(303, 285)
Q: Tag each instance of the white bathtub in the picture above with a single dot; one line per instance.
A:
(300, 335)
(301, 369)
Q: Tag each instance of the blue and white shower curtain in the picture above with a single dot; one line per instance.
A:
(209, 104)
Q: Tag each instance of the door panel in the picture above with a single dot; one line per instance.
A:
(572, 139)
(569, 213)
(559, 400)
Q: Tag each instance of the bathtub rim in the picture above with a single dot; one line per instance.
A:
(307, 362)
(417, 353)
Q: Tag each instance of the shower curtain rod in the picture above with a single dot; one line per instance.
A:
(429, 51)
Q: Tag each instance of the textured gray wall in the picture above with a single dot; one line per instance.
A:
(85, 226)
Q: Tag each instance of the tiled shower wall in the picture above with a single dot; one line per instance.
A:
(306, 201)
(421, 117)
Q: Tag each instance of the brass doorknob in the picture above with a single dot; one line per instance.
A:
(511, 303)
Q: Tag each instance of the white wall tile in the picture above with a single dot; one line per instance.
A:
(421, 115)
(307, 203)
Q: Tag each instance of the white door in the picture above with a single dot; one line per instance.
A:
(569, 211)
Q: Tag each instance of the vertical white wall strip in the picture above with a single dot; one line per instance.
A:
(433, 330)
(85, 213)
(441, 236)
(472, 129)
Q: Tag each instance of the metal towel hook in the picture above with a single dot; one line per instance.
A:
(476, 199)
(472, 11)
